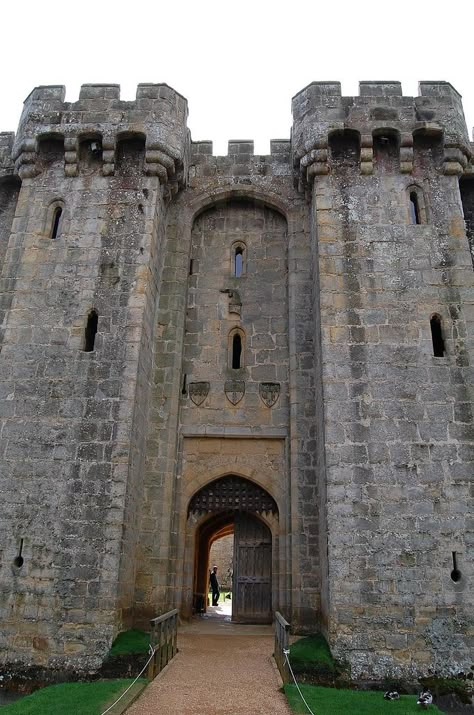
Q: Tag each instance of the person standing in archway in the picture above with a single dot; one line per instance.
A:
(214, 586)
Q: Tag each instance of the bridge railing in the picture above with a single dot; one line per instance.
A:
(282, 643)
(163, 640)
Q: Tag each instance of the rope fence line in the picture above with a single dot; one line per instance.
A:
(282, 651)
(163, 637)
(131, 684)
(286, 653)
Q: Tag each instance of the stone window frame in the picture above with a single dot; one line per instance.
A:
(230, 348)
(51, 218)
(233, 252)
(421, 204)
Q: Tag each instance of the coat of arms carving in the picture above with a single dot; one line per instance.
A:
(269, 392)
(198, 391)
(234, 390)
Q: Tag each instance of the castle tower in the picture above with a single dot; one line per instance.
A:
(81, 269)
(396, 324)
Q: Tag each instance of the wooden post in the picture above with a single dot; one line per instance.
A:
(282, 643)
(163, 638)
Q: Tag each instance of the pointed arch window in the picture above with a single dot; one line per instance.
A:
(236, 352)
(416, 205)
(54, 219)
(236, 349)
(238, 255)
(414, 208)
(56, 227)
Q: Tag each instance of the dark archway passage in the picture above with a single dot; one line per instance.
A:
(234, 505)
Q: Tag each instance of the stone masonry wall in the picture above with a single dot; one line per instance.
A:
(258, 181)
(262, 318)
(398, 421)
(73, 421)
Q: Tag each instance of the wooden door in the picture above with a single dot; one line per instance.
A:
(252, 578)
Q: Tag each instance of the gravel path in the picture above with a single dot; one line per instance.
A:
(221, 669)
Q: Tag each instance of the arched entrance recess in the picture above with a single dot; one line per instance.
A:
(236, 505)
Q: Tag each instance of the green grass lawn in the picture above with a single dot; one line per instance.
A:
(70, 699)
(311, 654)
(132, 641)
(330, 701)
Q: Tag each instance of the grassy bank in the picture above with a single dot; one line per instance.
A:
(70, 698)
(341, 702)
(133, 641)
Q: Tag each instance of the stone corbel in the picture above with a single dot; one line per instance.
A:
(26, 161)
(71, 156)
(366, 154)
(158, 163)
(315, 162)
(235, 302)
(406, 153)
(108, 155)
(455, 160)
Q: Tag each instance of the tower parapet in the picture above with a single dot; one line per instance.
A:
(158, 115)
(320, 110)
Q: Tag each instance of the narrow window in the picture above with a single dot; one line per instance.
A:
(191, 266)
(56, 222)
(238, 261)
(414, 208)
(437, 336)
(184, 388)
(236, 352)
(91, 331)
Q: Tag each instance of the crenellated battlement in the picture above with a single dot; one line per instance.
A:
(158, 115)
(241, 147)
(157, 120)
(241, 162)
(320, 110)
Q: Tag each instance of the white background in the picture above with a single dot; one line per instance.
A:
(237, 63)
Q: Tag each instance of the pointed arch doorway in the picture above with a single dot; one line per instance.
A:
(234, 505)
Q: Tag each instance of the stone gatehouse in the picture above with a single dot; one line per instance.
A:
(272, 347)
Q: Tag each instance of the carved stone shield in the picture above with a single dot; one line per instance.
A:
(234, 390)
(269, 392)
(198, 391)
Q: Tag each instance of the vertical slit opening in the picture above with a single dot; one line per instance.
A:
(238, 262)
(414, 208)
(191, 266)
(91, 331)
(236, 352)
(56, 222)
(184, 388)
(437, 336)
(455, 573)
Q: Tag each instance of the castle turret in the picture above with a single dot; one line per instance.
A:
(81, 274)
(394, 280)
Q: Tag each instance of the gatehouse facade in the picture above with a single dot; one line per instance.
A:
(276, 347)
